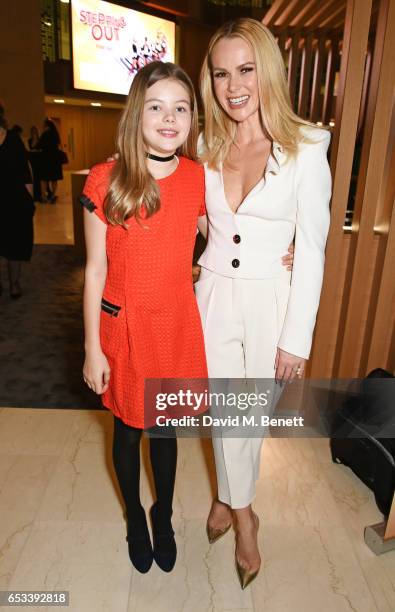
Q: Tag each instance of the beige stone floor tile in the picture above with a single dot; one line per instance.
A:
(358, 509)
(62, 525)
(25, 431)
(87, 559)
(204, 578)
(84, 486)
(292, 488)
(309, 569)
(23, 481)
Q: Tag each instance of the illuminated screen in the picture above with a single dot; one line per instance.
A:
(111, 43)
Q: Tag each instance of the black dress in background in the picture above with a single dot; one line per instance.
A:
(16, 203)
(35, 163)
(51, 167)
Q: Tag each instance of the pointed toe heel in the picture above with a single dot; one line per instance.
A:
(214, 534)
(245, 576)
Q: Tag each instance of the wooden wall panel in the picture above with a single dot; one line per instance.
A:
(371, 174)
(87, 134)
(350, 88)
(319, 67)
(333, 53)
(305, 73)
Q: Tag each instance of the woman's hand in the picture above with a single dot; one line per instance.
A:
(288, 260)
(96, 372)
(288, 366)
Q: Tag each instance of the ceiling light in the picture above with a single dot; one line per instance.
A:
(58, 100)
(95, 103)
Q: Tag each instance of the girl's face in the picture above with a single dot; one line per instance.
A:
(235, 78)
(167, 116)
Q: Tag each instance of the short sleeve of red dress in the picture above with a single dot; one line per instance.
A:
(95, 190)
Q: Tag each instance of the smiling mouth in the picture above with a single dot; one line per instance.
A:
(240, 101)
(168, 133)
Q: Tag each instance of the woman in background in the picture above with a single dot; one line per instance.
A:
(51, 166)
(35, 162)
(17, 206)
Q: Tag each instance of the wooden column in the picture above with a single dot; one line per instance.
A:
(377, 347)
(350, 88)
(304, 87)
(319, 64)
(293, 65)
(330, 79)
(358, 298)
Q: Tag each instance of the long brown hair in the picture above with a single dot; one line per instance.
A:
(132, 186)
(278, 119)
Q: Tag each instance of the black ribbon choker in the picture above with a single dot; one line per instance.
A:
(160, 159)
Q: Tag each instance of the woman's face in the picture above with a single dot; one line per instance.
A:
(167, 117)
(235, 78)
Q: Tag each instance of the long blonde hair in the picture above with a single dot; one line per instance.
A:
(278, 119)
(132, 186)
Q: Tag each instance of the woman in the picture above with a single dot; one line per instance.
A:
(267, 180)
(35, 162)
(16, 228)
(51, 166)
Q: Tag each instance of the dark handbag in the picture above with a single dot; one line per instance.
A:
(63, 157)
(371, 457)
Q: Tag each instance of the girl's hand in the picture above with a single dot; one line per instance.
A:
(288, 366)
(96, 372)
(288, 260)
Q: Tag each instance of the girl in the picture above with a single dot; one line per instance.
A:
(140, 313)
(267, 180)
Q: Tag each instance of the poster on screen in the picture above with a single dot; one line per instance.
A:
(111, 43)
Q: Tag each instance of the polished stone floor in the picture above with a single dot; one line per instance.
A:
(62, 525)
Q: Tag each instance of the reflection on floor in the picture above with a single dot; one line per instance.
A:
(53, 223)
(62, 526)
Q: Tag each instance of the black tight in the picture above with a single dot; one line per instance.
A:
(126, 458)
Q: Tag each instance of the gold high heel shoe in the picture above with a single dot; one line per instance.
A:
(245, 575)
(214, 534)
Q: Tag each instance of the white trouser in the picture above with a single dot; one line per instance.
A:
(242, 321)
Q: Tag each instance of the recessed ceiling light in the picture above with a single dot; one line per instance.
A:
(95, 103)
(58, 100)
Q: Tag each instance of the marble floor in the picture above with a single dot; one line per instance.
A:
(62, 526)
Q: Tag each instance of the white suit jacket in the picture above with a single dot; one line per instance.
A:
(291, 200)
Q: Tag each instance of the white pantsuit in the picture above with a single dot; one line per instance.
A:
(249, 304)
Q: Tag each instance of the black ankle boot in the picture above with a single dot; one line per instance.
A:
(139, 545)
(165, 549)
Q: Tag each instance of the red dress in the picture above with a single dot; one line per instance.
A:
(150, 324)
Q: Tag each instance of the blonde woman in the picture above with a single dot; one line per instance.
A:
(267, 183)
